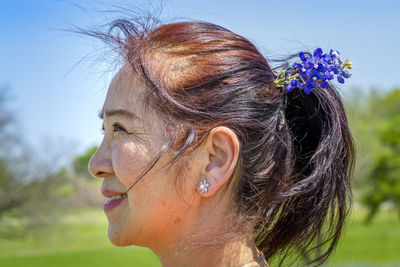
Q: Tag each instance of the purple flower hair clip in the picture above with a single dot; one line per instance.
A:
(315, 69)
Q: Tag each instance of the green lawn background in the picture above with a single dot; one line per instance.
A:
(80, 239)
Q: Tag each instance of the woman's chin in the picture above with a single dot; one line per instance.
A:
(118, 238)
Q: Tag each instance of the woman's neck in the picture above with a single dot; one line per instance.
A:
(212, 242)
(235, 253)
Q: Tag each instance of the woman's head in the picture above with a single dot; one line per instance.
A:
(160, 209)
(207, 109)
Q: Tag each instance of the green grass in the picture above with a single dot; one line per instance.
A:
(81, 240)
(86, 257)
(376, 243)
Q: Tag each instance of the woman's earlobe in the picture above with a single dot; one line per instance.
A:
(203, 186)
(207, 188)
(222, 150)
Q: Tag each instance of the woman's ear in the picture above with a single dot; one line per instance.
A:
(222, 149)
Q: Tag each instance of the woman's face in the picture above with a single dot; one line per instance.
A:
(152, 212)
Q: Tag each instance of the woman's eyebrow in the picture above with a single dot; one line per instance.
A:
(114, 112)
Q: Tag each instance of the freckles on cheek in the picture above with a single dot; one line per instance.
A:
(129, 160)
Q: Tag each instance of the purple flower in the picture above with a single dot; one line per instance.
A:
(303, 71)
(310, 84)
(307, 90)
(316, 75)
(340, 78)
(313, 71)
(327, 59)
(346, 74)
(318, 53)
(324, 84)
(293, 84)
(302, 56)
(327, 76)
(334, 53)
(333, 69)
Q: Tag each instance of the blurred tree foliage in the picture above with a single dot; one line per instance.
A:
(11, 190)
(27, 188)
(33, 190)
(80, 163)
(384, 178)
(375, 122)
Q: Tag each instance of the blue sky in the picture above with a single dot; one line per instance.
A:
(57, 99)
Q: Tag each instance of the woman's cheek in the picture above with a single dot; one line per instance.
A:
(129, 161)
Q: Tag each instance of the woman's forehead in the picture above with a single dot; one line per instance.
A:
(124, 92)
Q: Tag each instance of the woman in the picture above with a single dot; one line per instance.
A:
(208, 161)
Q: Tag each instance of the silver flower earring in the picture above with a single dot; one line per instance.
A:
(203, 186)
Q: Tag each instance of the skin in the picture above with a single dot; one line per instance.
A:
(156, 213)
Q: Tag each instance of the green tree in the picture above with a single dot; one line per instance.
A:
(28, 189)
(375, 122)
(11, 195)
(384, 178)
(10, 191)
(80, 163)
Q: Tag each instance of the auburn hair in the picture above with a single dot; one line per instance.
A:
(296, 150)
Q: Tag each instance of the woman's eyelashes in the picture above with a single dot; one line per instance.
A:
(118, 130)
(116, 127)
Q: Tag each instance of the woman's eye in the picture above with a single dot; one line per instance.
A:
(118, 128)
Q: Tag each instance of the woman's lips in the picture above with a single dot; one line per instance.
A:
(114, 201)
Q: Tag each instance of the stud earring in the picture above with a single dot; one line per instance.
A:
(203, 186)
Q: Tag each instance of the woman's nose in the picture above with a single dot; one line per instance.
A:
(100, 165)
